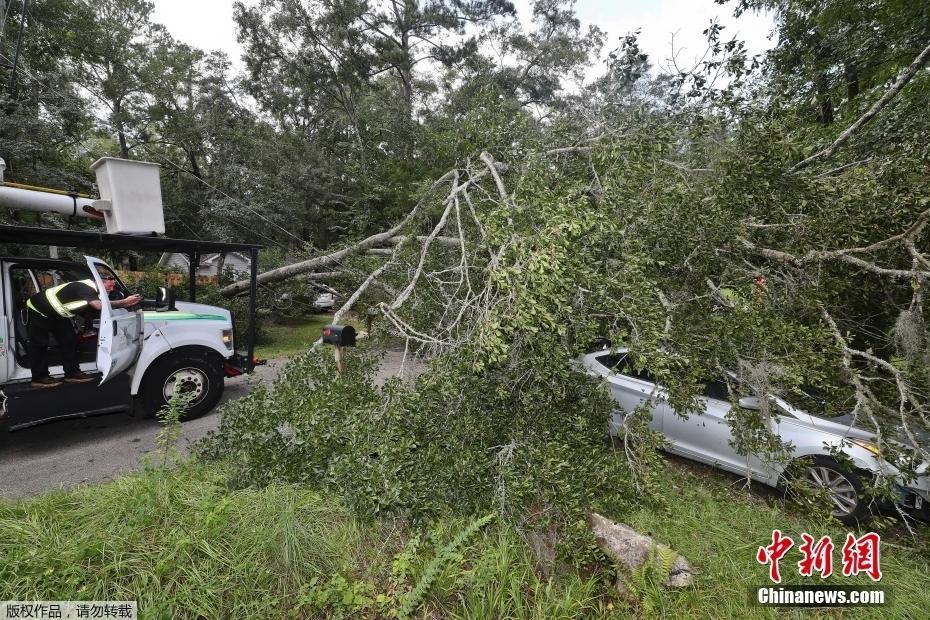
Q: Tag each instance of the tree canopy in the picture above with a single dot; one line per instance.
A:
(760, 219)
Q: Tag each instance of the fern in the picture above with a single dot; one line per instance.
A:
(666, 556)
(655, 569)
(415, 597)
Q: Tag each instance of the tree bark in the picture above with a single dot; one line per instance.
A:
(120, 132)
(852, 81)
(826, 105)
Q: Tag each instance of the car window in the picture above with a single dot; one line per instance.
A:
(120, 292)
(716, 389)
(45, 277)
(23, 284)
(620, 364)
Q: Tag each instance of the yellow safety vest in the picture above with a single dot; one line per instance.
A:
(63, 309)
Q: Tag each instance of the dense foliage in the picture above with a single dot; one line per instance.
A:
(760, 220)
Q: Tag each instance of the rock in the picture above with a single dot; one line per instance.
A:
(542, 544)
(630, 549)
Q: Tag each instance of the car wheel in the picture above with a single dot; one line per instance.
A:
(843, 487)
(195, 373)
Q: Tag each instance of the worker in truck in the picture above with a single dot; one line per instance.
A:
(50, 312)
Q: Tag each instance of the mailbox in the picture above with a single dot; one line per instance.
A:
(339, 335)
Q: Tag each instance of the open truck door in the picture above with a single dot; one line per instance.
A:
(119, 340)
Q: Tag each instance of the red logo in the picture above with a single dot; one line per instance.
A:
(817, 556)
(773, 553)
(860, 555)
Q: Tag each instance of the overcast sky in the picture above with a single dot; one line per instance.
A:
(208, 24)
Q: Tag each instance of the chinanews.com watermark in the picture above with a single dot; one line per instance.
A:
(818, 596)
(858, 555)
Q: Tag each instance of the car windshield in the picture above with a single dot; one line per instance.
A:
(621, 364)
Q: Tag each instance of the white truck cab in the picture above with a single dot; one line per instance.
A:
(142, 355)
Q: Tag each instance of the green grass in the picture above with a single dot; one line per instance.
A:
(179, 543)
(184, 545)
(291, 337)
(718, 525)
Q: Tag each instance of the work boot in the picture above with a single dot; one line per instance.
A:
(46, 382)
(79, 377)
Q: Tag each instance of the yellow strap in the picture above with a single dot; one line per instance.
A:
(61, 309)
(33, 308)
(46, 190)
(52, 297)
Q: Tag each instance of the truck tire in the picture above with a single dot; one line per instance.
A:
(194, 371)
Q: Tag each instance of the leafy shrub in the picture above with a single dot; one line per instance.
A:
(458, 440)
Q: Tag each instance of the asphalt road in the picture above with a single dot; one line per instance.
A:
(63, 455)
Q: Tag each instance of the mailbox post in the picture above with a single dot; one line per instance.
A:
(340, 336)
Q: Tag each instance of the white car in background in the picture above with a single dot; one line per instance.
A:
(324, 301)
(706, 437)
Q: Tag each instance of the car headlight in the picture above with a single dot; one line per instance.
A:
(865, 444)
(228, 338)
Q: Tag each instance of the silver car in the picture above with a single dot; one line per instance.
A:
(706, 437)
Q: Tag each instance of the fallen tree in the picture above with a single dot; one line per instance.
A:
(390, 236)
(707, 257)
(566, 245)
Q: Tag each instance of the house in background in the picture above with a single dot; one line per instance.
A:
(209, 263)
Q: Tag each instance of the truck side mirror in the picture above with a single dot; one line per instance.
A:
(164, 298)
(339, 335)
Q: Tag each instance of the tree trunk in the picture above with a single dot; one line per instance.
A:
(195, 169)
(220, 266)
(823, 97)
(314, 264)
(851, 75)
(118, 125)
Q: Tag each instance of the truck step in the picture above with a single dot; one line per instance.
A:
(22, 405)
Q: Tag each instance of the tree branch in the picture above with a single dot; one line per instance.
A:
(313, 264)
(877, 107)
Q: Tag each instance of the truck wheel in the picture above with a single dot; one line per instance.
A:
(198, 373)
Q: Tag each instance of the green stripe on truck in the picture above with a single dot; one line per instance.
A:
(182, 316)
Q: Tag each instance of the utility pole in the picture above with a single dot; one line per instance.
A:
(19, 46)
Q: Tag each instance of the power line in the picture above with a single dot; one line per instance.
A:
(48, 90)
(216, 189)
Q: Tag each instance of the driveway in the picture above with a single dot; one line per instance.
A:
(65, 454)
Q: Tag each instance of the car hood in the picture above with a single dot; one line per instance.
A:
(844, 425)
(841, 425)
(188, 311)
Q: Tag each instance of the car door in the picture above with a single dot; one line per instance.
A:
(630, 390)
(119, 340)
(707, 437)
(6, 352)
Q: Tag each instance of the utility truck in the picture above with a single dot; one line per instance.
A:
(142, 355)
